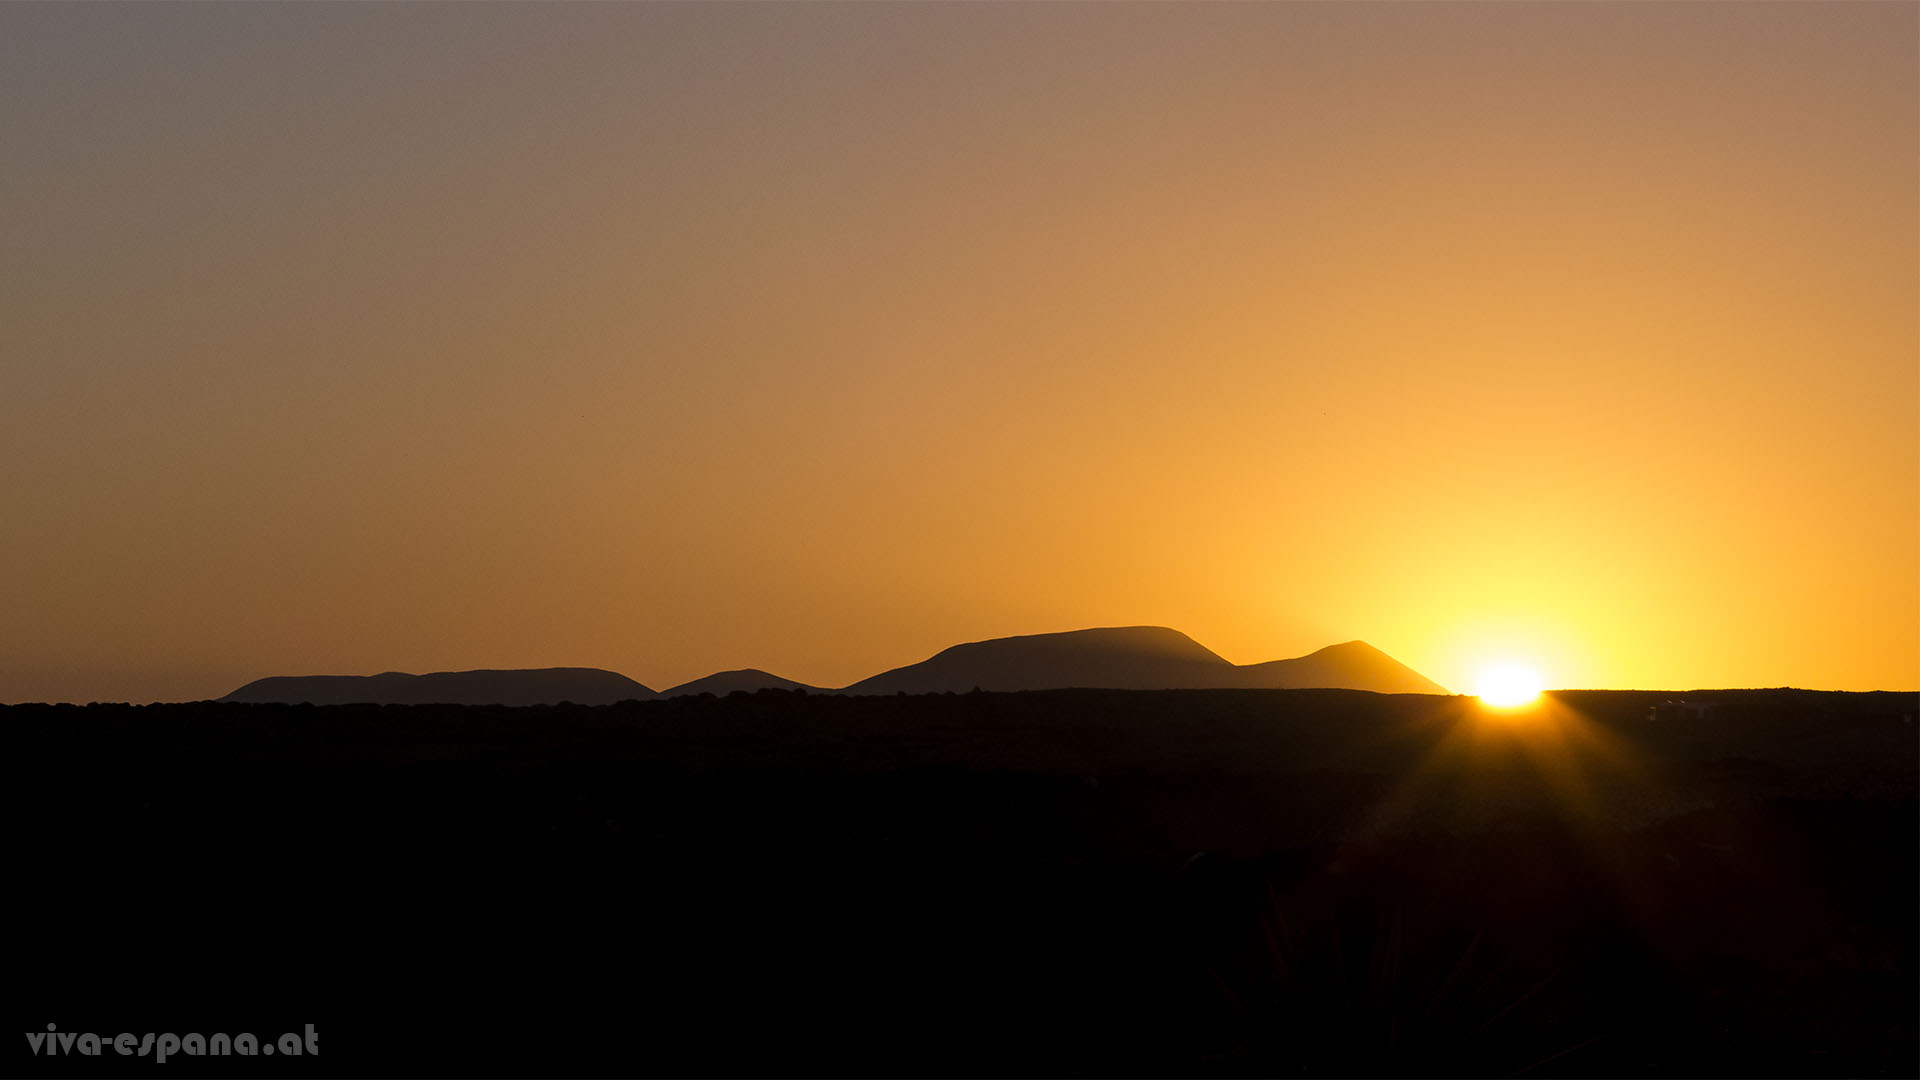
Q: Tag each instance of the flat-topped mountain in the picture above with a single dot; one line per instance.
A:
(1139, 658)
(1115, 658)
(722, 683)
(528, 686)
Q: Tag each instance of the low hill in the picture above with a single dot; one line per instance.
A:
(530, 686)
(722, 683)
(1355, 665)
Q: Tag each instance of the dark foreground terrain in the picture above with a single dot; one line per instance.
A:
(1062, 882)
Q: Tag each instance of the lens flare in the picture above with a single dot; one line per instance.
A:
(1508, 686)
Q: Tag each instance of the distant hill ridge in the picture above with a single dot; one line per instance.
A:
(524, 686)
(1114, 657)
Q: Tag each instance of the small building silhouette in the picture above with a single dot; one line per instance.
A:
(1684, 710)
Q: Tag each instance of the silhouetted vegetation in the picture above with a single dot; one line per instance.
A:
(1106, 882)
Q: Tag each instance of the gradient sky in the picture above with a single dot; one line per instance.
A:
(344, 338)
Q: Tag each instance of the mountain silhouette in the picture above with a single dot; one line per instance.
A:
(1139, 658)
(1107, 658)
(527, 686)
(722, 683)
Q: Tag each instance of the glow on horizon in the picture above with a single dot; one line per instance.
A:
(1508, 685)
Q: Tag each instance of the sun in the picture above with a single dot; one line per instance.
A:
(1508, 686)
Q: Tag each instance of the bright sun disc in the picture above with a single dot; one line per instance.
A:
(1508, 685)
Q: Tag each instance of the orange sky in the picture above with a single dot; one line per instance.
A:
(817, 337)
